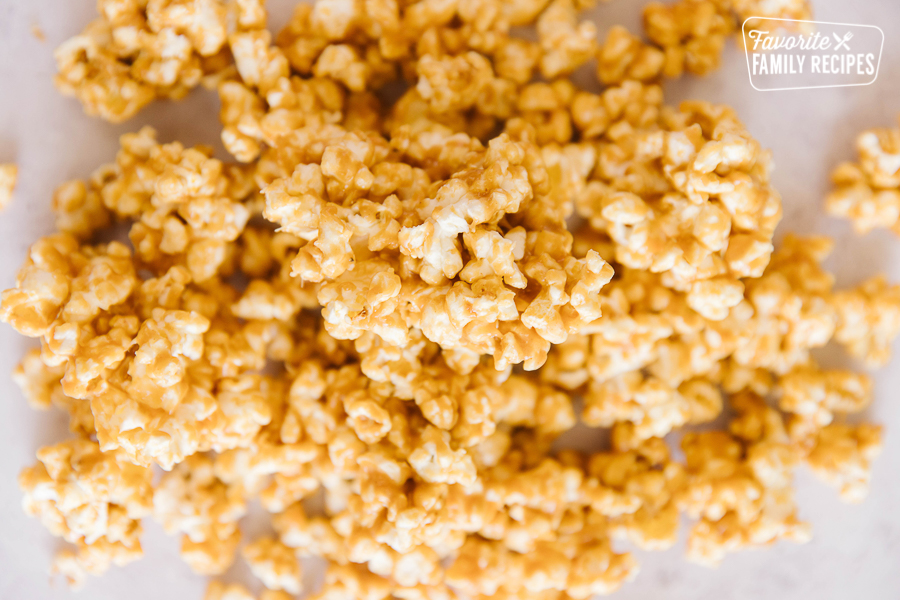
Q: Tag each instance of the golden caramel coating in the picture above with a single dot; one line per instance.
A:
(389, 240)
(740, 493)
(868, 320)
(92, 499)
(274, 564)
(695, 176)
(139, 50)
(815, 395)
(191, 500)
(691, 33)
(41, 384)
(343, 324)
(623, 56)
(868, 191)
(842, 457)
(780, 9)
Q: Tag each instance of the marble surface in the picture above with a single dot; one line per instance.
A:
(856, 549)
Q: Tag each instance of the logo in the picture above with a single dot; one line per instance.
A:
(787, 54)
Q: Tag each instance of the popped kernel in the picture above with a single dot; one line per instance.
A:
(41, 384)
(482, 306)
(137, 51)
(691, 33)
(698, 174)
(868, 319)
(842, 457)
(274, 564)
(868, 192)
(623, 56)
(733, 491)
(800, 10)
(89, 498)
(191, 500)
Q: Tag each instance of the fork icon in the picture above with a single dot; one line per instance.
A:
(842, 42)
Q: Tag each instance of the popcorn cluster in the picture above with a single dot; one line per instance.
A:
(376, 320)
(868, 192)
(140, 50)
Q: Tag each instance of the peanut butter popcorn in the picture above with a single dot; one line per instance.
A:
(275, 564)
(92, 499)
(712, 189)
(868, 319)
(191, 500)
(8, 175)
(395, 226)
(739, 492)
(843, 455)
(691, 33)
(331, 325)
(137, 51)
(868, 191)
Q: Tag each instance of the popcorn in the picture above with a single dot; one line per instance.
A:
(367, 296)
(692, 33)
(814, 395)
(868, 192)
(219, 591)
(138, 51)
(435, 462)
(783, 9)
(637, 489)
(42, 386)
(335, 318)
(485, 567)
(652, 408)
(275, 564)
(191, 500)
(624, 57)
(842, 457)
(37, 380)
(8, 176)
(452, 83)
(738, 502)
(868, 320)
(726, 203)
(566, 43)
(90, 498)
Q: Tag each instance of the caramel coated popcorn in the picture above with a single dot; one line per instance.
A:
(432, 256)
(520, 289)
(139, 50)
(92, 499)
(275, 564)
(868, 191)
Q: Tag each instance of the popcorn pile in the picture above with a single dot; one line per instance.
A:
(380, 310)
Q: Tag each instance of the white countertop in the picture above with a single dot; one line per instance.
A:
(855, 552)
